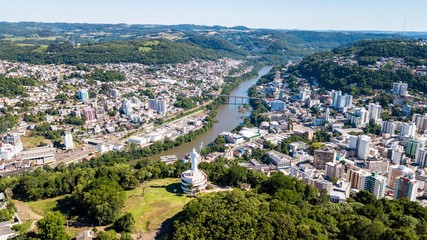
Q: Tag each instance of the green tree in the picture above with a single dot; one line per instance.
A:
(125, 224)
(52, 226)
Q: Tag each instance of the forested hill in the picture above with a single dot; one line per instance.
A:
(369, 65)
(28, 41)
(285, 208)
(157, 51)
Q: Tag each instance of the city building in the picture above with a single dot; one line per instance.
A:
(420, 121)
(277, 105)
(374, 110)
(159, 105)
(363, 145)
(334, 170)
(304, 94)
(412, 145)
(89, 115)
(83, 95)
(280, 160)
(321, 157)
(407, 130)
(68, 141)
(388, 127)
(421, 158)
(341, 102)
(406, 187)
(395, 172)
(194, 179)
(375, 184)
(400, 89)
(355, 177)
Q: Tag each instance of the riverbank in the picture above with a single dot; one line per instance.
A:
(227, 117)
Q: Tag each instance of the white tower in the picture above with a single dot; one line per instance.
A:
(194, 179)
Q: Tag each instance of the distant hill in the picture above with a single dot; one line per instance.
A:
(368, 65)
(266, 45)
(157, 51)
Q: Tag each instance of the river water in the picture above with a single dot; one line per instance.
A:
(228, 117)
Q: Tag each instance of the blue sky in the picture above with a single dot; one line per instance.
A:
(284, 14)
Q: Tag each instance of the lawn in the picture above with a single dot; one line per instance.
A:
(33, 141)
(158, 203)
(44, 206)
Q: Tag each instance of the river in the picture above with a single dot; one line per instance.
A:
(228, 117)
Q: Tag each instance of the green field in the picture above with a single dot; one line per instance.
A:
(33, 141)
(158, 203)
(144, 49)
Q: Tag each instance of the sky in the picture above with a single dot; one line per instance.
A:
(278, 14)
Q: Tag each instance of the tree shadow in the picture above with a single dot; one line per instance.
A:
(74, 213)
(171, 188)
(174, 188)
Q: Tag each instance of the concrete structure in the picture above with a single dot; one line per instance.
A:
(89, 115)
(400, 89)
(420, 121)
(38, 156)
(395, 172)
(280, 160)
(412, 145)
(355, 177)
(406, 187)
(68, 141)
(193, 179)
(388, 127)
(374, 110)
(407, 130)
(334, 170)
(321, 157)
(375, 184)
(363, 147)
(421, 158)
(277, 105)
(159, 105)
(83, 95)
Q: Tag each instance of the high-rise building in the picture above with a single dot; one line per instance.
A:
(395, 172)
(400, 89)
(304, 94)
(334, 96)
(374, 110)
(412, 145)
(361, 144)
(360, 117)
(334, 170)
(127, 107)
(408, 130)
(355, 177)
(420, 121)
(341, 102)
(327, 113)
(375, 184)
(406, 187)
(388, 127)
(83, 94)
(421, 158)
(321, 157)
(363, 147)
(68, 141)
(89, 115)
(159, 105)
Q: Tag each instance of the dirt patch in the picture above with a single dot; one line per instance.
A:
(25, 213)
